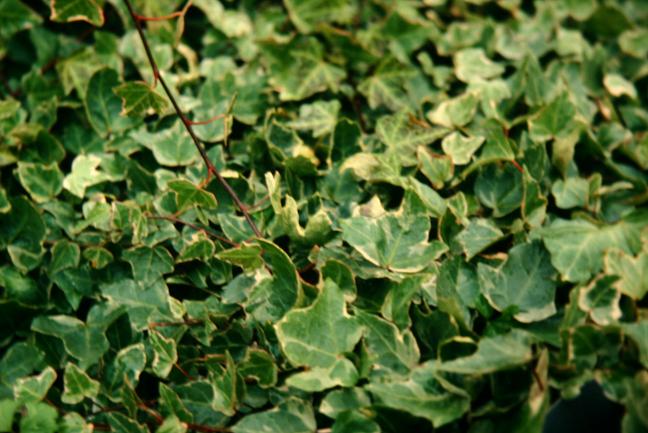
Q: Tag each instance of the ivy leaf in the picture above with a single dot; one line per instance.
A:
(14, 17)
(103, 106)
(307, 14)
(388, 348)
(38, 417)
(78, 385)
(275, 297)
(293, 416)
(317, 335)
(341, 373)
(171, 147)
(600, 299)
(577, 246)
(301, 71)
(188, 195)
(165, 354)
(149, 264)
(632, 272)
(319, 117)
(425, 395)
(493, 354)
(33, 389)
(43, 182)
(639, 333)
(459, 148)
(85, 342)
(477, 236)
(22, 232)
(77, 10)
(554, 120)
(403, 137)
(84, 174)
(471, 64)
(392, 243)
(259, 364)
(386, 87)
(138, 99)
(65, 255)
(524, 282)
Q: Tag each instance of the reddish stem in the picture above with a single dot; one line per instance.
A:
(203, 153)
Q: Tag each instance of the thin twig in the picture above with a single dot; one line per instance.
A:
(211, 168)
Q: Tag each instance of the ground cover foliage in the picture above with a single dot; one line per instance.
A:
(451, 196)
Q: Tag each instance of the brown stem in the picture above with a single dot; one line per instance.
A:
(211, 168)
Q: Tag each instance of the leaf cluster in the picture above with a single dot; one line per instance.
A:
(451, 196)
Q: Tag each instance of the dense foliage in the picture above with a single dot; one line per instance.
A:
(452, 197)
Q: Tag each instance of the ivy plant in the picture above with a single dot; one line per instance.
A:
(307, 216)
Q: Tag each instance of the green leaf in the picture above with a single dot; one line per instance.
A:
(246, 256)
(85, 342)
(14, 17)
(38, 417)
(172, 425)
(438, 169)
(524, 282)
(84, 174)
(341, 373)
(301, 71)
(22, 232)
(632, 272)
(98, 257)
(165, 353)
(319, 117)
(78, 385)
(555, 120)
(189, 195)
(123, 424)
(639, 333)
(171, 147)
(307, 14)
(386, 87)
(479, 234)
(7, 411)
(77, 10)
(43, 182)
(571, 192)
(34, 388)
(317, 335)
(293, 416)
(274, 298)
(455, 112)
(424, 394)
(460, 149)
(138, 99)
(403, 137)
(393, 243)
(388, 347)
(149, 264)
(351, 422)
(500, 188)
(339, 401)
(65, 254)
(259, 365)
(493, 354)
(600, 299)
(577, 246)
(471, 64)
(102, 106)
